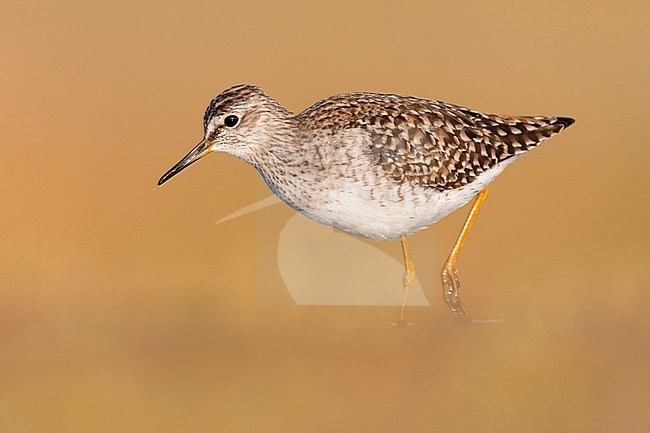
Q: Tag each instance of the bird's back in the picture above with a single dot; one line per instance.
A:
(430, 143)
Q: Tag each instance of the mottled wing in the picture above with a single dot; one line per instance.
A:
(432, 143)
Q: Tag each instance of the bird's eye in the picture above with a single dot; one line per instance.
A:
(231, 121)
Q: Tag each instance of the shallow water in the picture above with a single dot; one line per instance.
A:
(229, 346)
(191, 363)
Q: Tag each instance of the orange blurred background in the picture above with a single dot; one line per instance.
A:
(128, 310)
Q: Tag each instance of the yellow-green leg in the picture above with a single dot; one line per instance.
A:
(450, 279)
(408, 280)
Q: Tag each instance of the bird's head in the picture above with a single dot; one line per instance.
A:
(242, 121)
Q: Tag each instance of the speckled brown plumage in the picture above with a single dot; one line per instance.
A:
(432, 143)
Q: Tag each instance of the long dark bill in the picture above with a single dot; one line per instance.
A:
(199, 151)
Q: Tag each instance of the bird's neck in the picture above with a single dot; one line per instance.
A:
(286, 163)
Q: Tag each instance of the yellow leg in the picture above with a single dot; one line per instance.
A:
(450, 279)
(408, 280)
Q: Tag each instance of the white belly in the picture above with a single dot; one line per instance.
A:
(387, 210)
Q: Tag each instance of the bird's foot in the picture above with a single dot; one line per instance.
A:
(451, 290)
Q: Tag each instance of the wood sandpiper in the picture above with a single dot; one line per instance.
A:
(380, 166)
